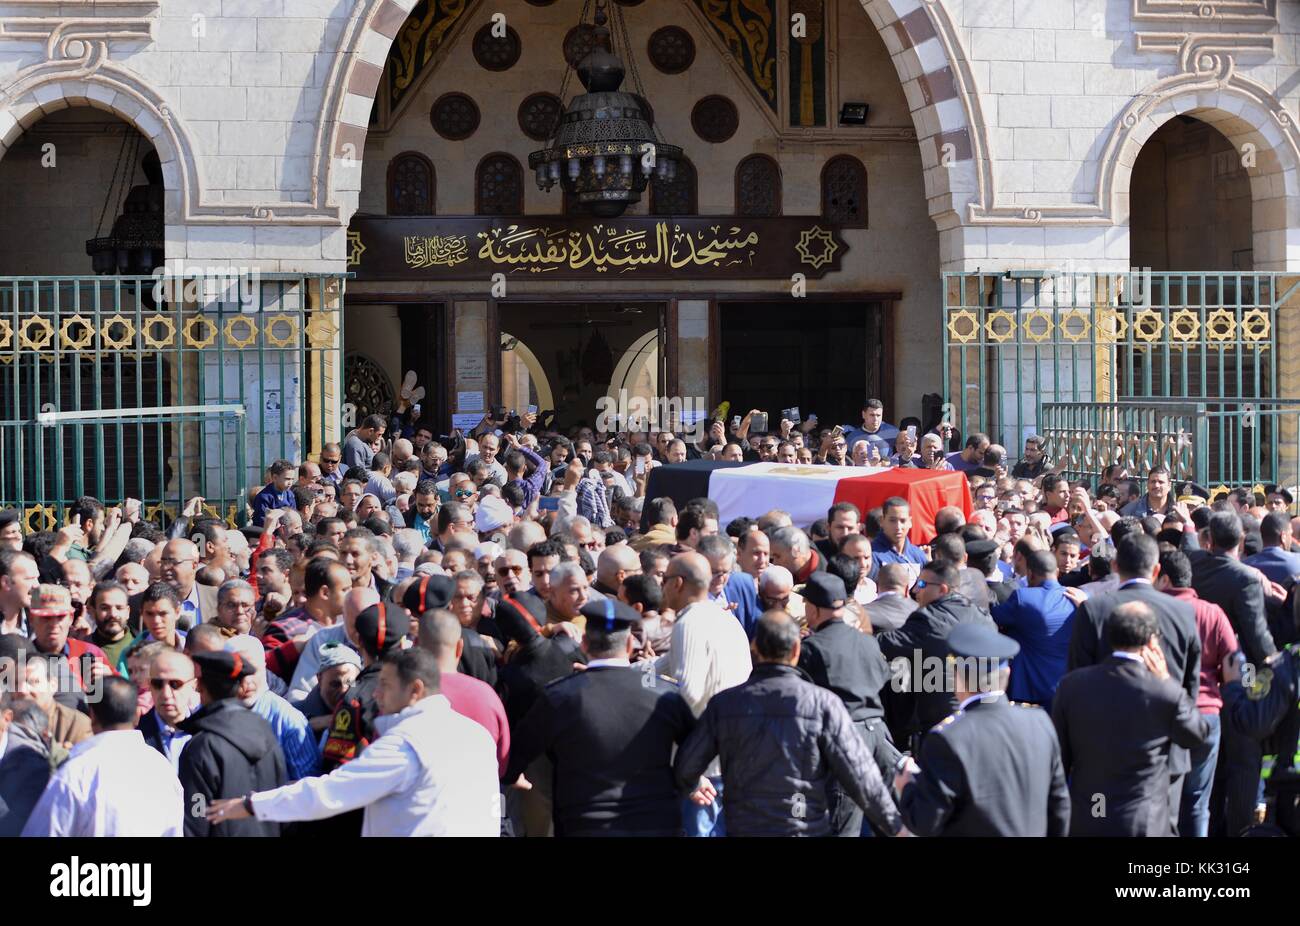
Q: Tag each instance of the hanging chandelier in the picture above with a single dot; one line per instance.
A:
(135, 243)
(605, 149)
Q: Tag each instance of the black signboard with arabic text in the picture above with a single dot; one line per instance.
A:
(555, 247)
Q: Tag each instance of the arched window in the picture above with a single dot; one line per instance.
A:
(844, 192)
(499, 186)
(676, 196)
(758, 186)
(411, 185)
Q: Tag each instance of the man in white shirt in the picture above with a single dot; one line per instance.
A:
(113, 784)
(709, 653)
(431, 772)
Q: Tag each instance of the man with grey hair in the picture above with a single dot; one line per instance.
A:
(236, 607)
(730, 589)
(133, 577)
(792, 549)
(569, 591)
(524, 534)
(304, 675)
(292, 729)
(408, 544)
(776, 593)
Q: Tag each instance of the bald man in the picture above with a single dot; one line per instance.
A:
(177, 565)
(441, 634)
(614, 565)
(304, 674)
(710, 653)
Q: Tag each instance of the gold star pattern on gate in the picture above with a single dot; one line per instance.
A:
(49, 521)
(1038, 315)
(1184, 327)
(1148, 326)
(1220, 326)
(6, 334)
(1110, 326)
(250, 336)
(83, 340)
(202, 323)
(289, 339)
(321, 330)
(971, 333)
(991, 326)
(41, 339)
(116, 343)
(1255, 325)
(146, 332)
(1070, 317)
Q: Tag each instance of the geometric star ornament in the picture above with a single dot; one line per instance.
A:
(810, 253)
(321, 330)
(355, 248)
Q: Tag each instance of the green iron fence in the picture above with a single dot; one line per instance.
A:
(1083, 354)
(160, 388)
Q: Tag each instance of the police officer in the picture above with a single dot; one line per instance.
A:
(609, 731)
(848, 662)
(377, 630)
(992, 768)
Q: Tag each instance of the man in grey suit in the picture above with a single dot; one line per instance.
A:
(1137, 562)
(1117, 722)
(892, 605)
(179, 566)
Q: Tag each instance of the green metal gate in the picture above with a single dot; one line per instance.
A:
(161, 387)
(1018, 342)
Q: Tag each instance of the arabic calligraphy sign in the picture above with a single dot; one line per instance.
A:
(698, 247)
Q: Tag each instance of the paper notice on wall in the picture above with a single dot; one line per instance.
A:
(469, 402)
(466, 422)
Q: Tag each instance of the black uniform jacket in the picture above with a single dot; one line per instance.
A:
(609, 732)
(233, 752)
(992, 769)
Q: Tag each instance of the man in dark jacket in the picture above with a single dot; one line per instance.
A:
(921, 641)
(232, 753)
(24, 760)
(1137, 562)
(782, 740)
(994, 767)
(848, 662)
(609, 732)
(1116, 722)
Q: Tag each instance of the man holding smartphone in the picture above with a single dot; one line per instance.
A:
(877, 432)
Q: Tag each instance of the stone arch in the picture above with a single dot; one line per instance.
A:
(919, 35)
(931, 63)
(36, 95)
(1247, 115)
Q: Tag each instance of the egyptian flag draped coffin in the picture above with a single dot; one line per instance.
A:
(806, 492)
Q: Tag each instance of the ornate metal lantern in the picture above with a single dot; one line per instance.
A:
(605, 149)
(135, 245)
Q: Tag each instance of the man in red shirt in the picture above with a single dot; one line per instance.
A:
(440, 634)
(75, 665)
(1217, 643)
(1056, 497)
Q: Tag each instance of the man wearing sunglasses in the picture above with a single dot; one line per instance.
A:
(172, 684)
(922, 638)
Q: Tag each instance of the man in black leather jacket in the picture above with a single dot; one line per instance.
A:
(781, 740)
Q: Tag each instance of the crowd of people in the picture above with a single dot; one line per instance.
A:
(500, 633)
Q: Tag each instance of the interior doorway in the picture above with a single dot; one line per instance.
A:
(823, 357)
(570, 356)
